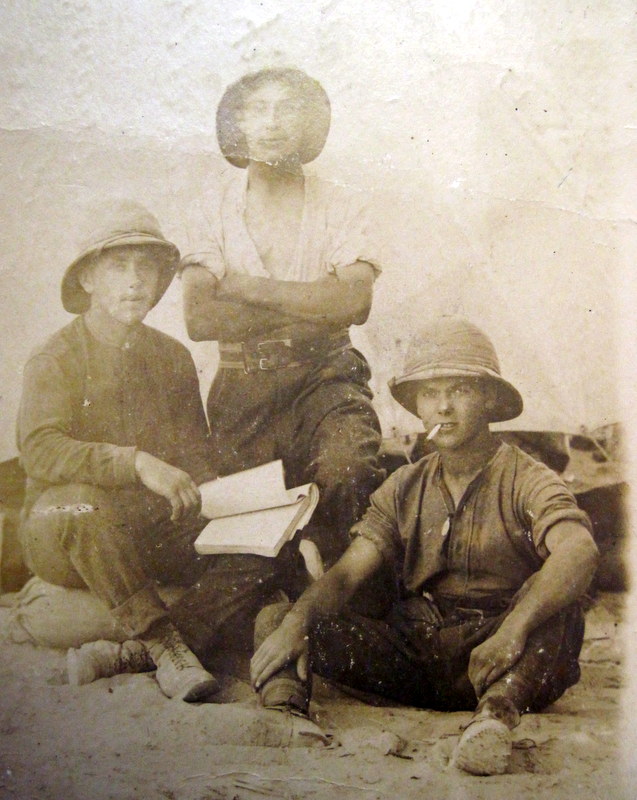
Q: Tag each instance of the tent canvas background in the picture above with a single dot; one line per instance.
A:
(496, 141)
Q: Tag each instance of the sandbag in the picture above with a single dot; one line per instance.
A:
(54, 616)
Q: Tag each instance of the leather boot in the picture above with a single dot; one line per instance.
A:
(103, 659)
(180, 674)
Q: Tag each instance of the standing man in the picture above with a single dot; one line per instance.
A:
(284, 274)
(113, 439)
(493, 555)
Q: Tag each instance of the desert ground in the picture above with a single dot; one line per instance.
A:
(120, 738)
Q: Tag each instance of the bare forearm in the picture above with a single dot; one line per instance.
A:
(331, 593)
(211, 318)
(562, 580)
(216, 320)
(327, 597)
(330, 300)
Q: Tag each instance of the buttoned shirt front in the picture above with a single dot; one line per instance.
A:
(489, 544)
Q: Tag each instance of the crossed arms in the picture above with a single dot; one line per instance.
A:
(239, 307)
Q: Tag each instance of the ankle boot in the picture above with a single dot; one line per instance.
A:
(180, 674)
(102, 659)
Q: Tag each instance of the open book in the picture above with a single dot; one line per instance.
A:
(253, 512)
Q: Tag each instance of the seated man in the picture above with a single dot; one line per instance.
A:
(113, 439)
(492, 554)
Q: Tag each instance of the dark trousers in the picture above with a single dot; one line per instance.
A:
(319, 420)
(121, 543)
(419, 656)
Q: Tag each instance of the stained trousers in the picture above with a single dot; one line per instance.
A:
(319, 420)
(417, 660)
(121, 544)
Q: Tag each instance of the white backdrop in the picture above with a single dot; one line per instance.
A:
(496, 141)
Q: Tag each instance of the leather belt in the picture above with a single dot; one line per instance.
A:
(272, 354)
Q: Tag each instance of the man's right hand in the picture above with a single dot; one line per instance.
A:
(288, 643)
(170, 482)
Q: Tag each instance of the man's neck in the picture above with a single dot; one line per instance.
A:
(274, 179)
(110, 331)
(468, 461)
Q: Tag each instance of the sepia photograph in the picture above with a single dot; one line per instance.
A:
(317, 402)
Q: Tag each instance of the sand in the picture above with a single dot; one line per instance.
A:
(120, 738)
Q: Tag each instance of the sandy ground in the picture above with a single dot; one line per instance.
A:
(120, 738)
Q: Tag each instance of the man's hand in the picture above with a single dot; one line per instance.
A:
(495, 656)
(288, 643)
(170, 482)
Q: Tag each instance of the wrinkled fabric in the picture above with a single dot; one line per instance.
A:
(87, 406)
(335, 232)
(491, 543)
(422, 659)
(319, 420)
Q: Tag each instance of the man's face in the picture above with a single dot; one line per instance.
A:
(122, 283)
(272, 121)
(461, 406)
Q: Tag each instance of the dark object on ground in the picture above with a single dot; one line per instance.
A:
(606, 506)
(13, 572)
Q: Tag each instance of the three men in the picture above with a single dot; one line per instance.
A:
(490, 550)
(492, 555)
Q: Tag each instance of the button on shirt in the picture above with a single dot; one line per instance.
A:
(490, 544)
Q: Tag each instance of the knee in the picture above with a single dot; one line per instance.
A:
(68, 510)
(346, 472)
(71, 499)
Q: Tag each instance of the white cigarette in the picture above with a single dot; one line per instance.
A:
(433, 431)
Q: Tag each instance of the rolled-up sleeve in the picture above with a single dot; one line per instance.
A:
(380, 523)
(544, 500)
(47, 450)
(351, 237)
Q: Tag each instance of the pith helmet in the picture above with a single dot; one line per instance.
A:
(316, 112)
(453, 347)
(119, 224)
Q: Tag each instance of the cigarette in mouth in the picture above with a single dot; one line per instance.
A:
(433, 431)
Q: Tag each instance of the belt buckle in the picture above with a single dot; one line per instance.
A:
(269, 354)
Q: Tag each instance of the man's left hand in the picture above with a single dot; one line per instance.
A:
(495, 656)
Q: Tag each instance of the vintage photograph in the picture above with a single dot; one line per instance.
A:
(316, 401)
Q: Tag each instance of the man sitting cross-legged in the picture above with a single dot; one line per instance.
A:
(113, 439)
(492, 554)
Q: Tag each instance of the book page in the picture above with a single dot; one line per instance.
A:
(252, 489)
(261, 532)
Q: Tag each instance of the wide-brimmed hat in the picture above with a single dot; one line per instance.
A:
(453, 347)
(118, 224)
(316, 112)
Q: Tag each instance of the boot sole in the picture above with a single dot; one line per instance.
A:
(484, 748)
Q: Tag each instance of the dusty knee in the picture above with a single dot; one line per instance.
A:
(71, 500)
(67, 511)
(344, 471)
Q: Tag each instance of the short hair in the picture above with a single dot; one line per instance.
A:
(316, 111)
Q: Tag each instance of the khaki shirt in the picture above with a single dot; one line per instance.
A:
(490, 544)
